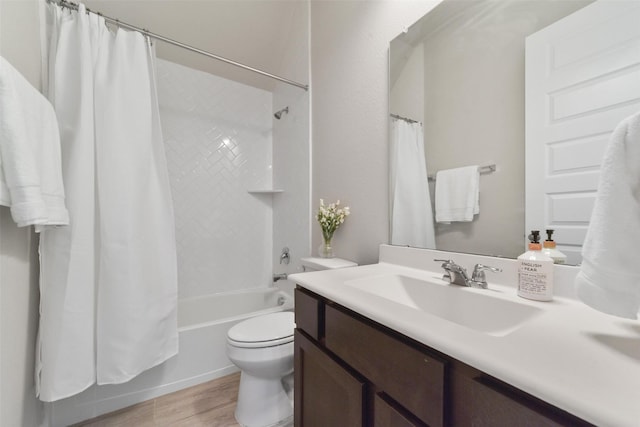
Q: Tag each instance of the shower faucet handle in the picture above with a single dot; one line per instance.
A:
(284, 256)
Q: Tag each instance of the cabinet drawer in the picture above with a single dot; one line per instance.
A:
(385, 415)
(481, 401)
(308, 313)
(409, 376)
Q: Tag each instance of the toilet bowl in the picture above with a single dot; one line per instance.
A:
(262, 347)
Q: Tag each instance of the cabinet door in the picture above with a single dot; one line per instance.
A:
(409, 376)
(326, 395)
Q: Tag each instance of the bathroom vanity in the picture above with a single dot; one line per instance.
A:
(371, 349)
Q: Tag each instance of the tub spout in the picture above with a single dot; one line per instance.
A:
(281, 276)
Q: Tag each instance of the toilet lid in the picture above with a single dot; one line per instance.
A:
(268, 327)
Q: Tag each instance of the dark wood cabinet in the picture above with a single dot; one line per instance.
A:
(309, 314)
(412, 377)
(351, 371)
(325, 393)
(482, 401)
(388, 414)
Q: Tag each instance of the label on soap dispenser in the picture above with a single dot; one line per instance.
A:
(535, 277)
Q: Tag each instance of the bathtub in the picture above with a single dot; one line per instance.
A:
(199, 312)
(203, 323)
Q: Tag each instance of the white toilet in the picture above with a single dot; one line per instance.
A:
(262, 347)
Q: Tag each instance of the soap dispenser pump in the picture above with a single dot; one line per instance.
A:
(549, 249)
(535, 272)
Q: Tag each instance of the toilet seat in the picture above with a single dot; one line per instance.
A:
(263, 331)
(260, 344)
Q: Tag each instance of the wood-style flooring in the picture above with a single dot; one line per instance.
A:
(210, 404)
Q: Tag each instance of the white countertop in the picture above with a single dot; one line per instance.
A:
(571, 356)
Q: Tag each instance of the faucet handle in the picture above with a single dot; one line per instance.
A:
(478, 272)
(445, 264)
(482, 267)
(454, 273)
(285, 257)
(450, 265)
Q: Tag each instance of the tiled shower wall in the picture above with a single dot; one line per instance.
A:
(218, 141)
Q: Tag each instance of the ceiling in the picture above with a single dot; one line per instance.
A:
(252, 32)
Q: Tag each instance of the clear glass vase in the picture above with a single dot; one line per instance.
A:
(326, 250)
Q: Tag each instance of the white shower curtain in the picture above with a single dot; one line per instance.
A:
(108, 281)
(411, 213)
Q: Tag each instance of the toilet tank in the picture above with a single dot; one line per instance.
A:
(317, 264)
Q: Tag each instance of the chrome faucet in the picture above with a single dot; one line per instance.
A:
(457, 274)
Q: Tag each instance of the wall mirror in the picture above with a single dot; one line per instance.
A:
(460, 72)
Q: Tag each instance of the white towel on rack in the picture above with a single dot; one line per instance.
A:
(457, 194)
(609, 278)
(30, 165)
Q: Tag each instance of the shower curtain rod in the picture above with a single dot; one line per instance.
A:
(74, 6)
(395, 116)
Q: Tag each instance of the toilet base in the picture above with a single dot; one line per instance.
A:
(262, 402)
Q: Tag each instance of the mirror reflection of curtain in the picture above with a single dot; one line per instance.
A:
(412, 217)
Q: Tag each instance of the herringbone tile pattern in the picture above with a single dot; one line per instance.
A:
(218, 144)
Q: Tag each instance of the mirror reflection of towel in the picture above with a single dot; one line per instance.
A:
(609, 278)
(457, 194)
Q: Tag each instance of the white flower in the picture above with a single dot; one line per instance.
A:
(331, 217)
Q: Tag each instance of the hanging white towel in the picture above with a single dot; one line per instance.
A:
(609, 278)
(457, 194)
(30, 169)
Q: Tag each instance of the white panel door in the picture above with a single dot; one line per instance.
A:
(582, 79)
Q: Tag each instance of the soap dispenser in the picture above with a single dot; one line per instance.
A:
(535, 272)
(549, 249)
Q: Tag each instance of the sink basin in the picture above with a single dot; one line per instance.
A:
(476, 309)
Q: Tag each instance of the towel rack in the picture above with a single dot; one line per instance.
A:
(481, 169)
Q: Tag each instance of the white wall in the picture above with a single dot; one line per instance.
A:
(349, 69)
(407, 92)
(19, 44)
